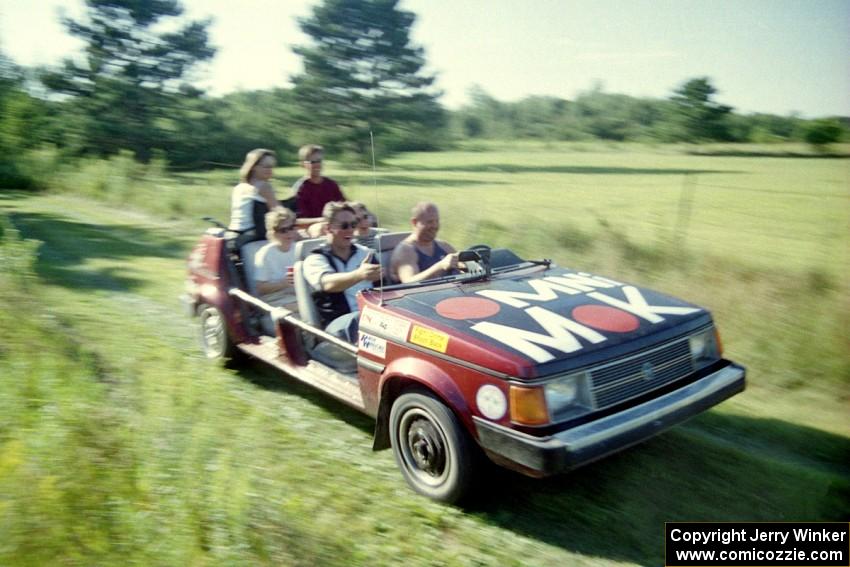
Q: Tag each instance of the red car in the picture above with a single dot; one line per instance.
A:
(540, 369)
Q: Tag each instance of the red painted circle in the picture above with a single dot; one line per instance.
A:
(467, 308)
(606, 318)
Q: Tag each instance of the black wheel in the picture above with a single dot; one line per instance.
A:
(215, 340)
(433, 451)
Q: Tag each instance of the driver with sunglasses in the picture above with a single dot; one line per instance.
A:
(339, 269)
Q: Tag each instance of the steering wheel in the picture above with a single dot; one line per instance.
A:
(478, 267)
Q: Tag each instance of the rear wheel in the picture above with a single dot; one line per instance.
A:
(215, 340)
(433, 451)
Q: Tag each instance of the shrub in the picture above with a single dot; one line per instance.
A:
(821, 133)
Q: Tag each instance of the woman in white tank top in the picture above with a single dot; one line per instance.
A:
(254, 196)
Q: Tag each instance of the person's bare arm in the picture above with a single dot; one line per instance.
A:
(264, 288)
(406, 269)
(266, 191)
(403, 262)
(456, 265)
(305, 221)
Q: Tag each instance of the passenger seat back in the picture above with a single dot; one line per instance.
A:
(385, 243)
(248, 252)
(303, 291)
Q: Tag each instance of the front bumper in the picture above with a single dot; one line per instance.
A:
(582, 444)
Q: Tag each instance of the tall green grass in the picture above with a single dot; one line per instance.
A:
(762, 241)
(765, 212)
(119, 444)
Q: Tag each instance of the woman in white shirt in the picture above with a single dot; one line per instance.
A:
(273, 262)
(254, 196)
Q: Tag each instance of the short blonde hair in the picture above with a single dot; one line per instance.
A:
(252, 158)
(334, 207)
(277, 217)
(307, 150)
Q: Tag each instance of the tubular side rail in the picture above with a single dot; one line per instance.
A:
(280, 313)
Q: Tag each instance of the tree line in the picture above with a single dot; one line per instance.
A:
(690, 114)
(131, 89)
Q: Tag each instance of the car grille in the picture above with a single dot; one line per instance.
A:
(625, 379)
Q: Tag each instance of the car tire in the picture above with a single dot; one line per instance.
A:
(433, 451)
(215, 339)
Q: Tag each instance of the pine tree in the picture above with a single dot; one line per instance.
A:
(125, 89)
(362, 74)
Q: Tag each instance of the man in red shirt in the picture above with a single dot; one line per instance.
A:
(313, 191)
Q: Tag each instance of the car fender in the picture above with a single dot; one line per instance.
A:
(212, 295)
(409, 372)
(215, 296)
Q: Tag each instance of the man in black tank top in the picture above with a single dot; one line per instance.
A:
(421, 256)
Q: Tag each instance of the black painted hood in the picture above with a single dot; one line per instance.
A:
(555, 318)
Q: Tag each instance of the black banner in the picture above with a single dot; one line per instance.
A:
(758, 544)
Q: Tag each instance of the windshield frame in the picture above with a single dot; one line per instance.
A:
(467, 277)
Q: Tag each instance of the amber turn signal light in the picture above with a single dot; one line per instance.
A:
(528, 406)
(719, 342)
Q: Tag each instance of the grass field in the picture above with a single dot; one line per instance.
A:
(120, 444)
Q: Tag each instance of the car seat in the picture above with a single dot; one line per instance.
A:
(248, 252)
(371, 241)
(385, 243)
(303, 291)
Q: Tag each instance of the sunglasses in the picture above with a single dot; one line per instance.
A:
(346, 225)
(283, 229)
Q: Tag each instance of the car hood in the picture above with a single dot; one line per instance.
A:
(553, 319)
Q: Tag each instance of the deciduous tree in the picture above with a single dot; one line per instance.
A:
(698, 117)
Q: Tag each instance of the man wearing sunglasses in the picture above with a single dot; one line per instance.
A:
(338, 270)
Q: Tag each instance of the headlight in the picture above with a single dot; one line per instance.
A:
(561, 393)
(568, 396)
(704, 348)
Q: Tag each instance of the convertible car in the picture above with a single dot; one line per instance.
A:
(537, 368)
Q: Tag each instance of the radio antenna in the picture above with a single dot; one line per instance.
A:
(374, 169)
(377, 239)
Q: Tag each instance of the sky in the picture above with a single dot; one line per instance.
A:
(776, 56)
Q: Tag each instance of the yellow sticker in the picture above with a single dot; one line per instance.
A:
(434, 340)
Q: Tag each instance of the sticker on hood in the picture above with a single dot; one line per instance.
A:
(428, 338)
(624, 307)
(385, 324)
